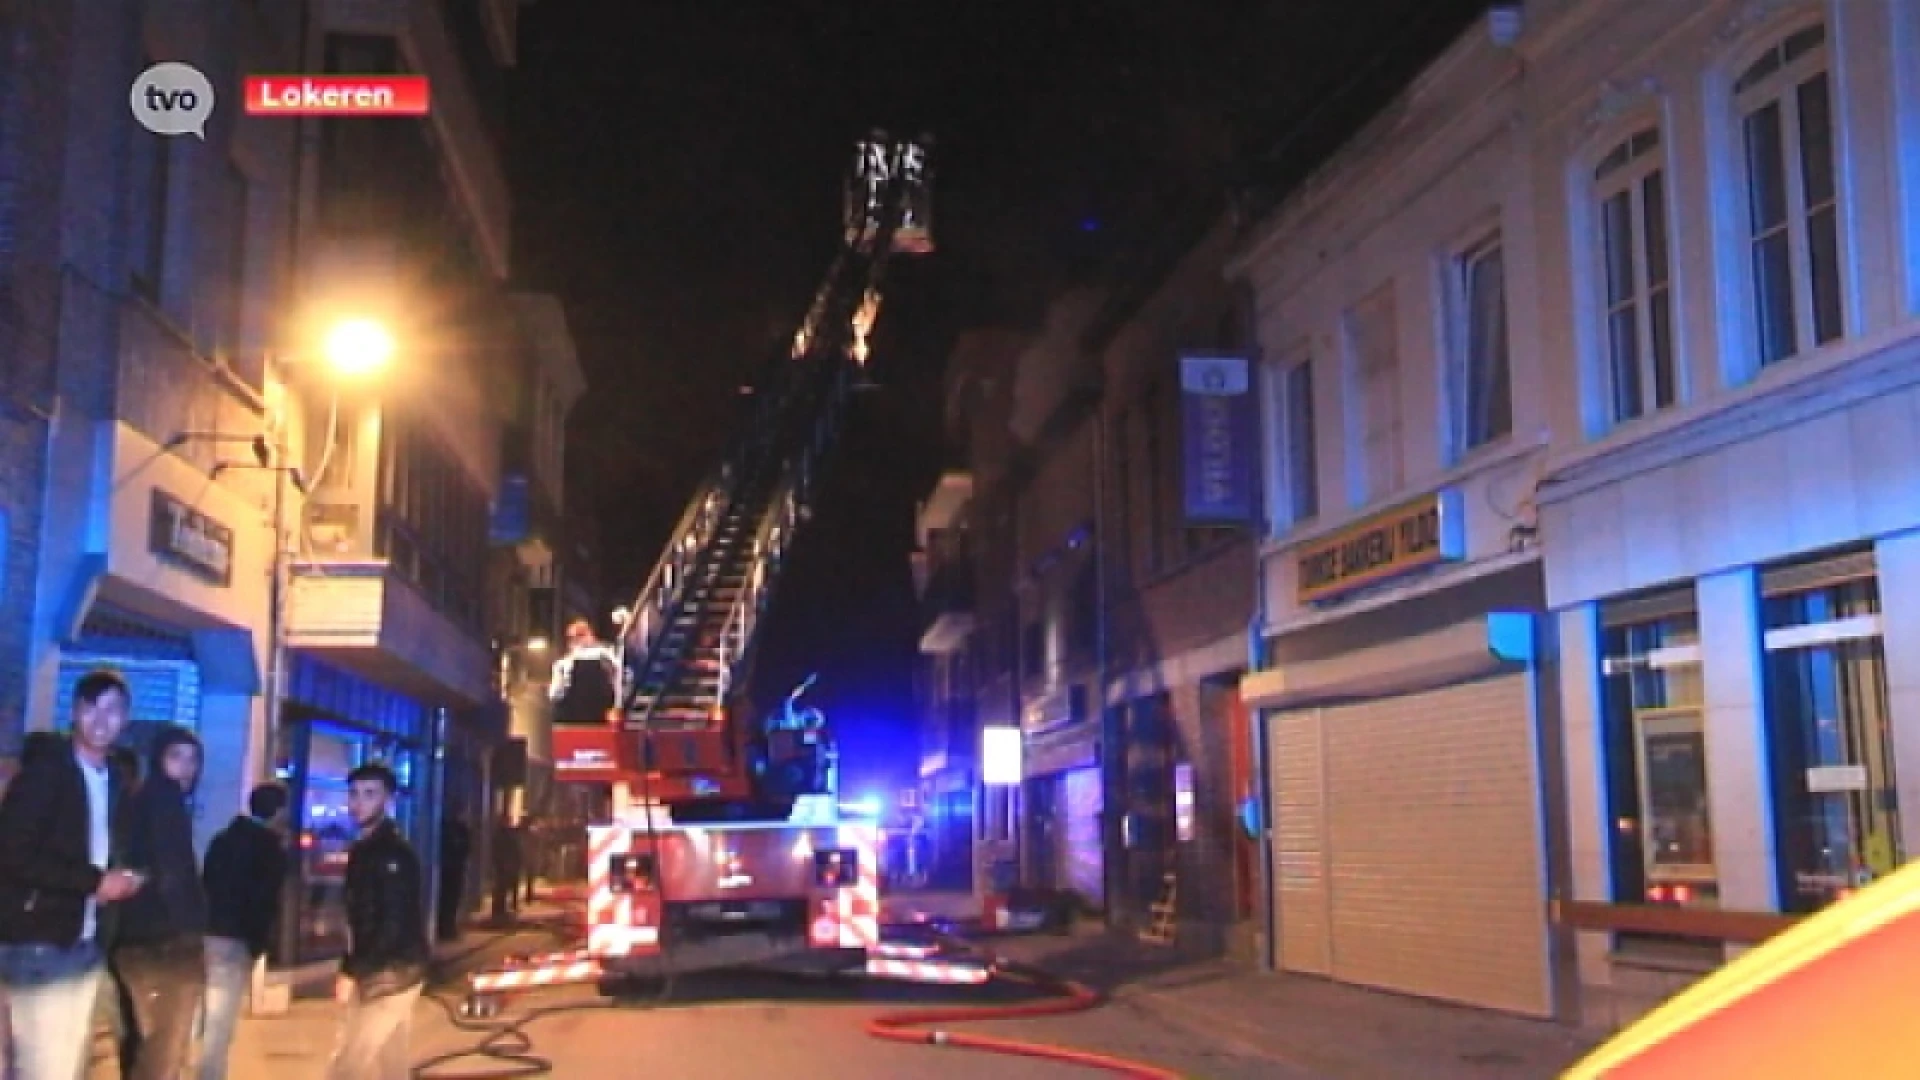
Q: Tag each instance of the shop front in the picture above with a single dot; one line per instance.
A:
(1064, 805)
(164, 595)
(1408, 834)
(1740, 682)
(332, 723)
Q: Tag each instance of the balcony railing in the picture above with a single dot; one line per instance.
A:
(366, 618)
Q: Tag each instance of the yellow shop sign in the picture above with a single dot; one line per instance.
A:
(1422, 533)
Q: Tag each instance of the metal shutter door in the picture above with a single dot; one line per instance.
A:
(164, 692)
(1296, 779)
(1436, 856)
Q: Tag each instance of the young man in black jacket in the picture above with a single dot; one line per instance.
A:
(386, 963)
(159, 951)
(57, 893)
(245, 869)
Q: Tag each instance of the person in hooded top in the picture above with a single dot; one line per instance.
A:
(159, 952)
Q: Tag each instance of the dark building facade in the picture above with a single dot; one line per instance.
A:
(944, 682)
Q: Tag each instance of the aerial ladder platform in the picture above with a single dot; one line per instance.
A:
(726, 842)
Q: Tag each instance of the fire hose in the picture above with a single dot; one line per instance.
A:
(508, 1047)
(1071, 997)
(505, 1043)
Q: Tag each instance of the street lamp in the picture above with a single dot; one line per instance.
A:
(357, 347)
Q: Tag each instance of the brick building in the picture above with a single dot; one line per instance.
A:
(1104, 624)
(1177, 600)
(32, 164)
(187, 496)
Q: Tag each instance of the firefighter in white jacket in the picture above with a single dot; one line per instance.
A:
(584, 680)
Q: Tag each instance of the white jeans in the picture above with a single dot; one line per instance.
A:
(51, 993)
(375, 1038)
(229, 971)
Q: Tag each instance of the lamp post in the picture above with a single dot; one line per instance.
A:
(353, 348)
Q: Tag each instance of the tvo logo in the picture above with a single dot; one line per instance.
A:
(172, 99)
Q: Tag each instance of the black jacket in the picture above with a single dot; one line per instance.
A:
(46, 866)
(386, 914)
(158, 837)
(246, 866)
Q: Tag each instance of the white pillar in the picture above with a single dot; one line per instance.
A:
(1583, 752)
(1735, 720)
(1897, 559)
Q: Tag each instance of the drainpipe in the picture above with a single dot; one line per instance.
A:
(1257, 659)
(278, 589)
(1110, 741)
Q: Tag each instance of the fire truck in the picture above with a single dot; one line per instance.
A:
(726, 842)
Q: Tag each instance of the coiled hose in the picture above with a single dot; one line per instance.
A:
(506, 1043)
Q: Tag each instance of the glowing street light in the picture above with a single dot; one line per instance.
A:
(357, 347)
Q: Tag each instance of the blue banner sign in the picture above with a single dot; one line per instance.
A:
(1219, 439)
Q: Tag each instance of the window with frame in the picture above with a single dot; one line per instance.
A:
(1636, 276)
(1660, 827)
(1793, 222)
(1373, 349)
(1482, 372)
(1298, 463)
(1829, 734)
(1155, 468)
(432, 523)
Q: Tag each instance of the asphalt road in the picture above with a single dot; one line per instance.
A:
(751, 1025)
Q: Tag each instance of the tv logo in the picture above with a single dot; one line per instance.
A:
(172, 99)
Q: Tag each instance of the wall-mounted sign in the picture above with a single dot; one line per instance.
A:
(1413, 536)
(1219, 427)
(188, 538)
(1000, 753)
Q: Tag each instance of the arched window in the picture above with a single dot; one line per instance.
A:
(1635, 275)
(1784, 98)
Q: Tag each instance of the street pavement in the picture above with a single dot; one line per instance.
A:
(741, 1026)
(1198, 1018)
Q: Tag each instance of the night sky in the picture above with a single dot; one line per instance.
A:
(677, 167)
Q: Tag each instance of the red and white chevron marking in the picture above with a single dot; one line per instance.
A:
(603, 842)
(926, 971)
(551, 974)
(859, 913)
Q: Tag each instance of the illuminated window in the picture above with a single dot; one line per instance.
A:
(1661, 828)
(1836, 820)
